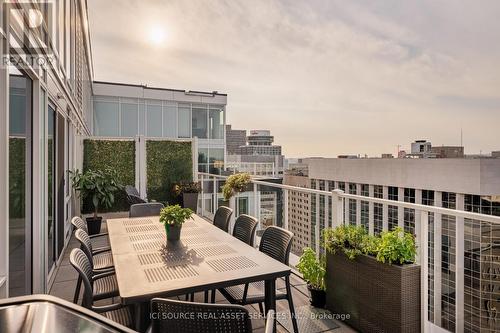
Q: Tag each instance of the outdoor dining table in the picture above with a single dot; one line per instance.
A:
(205, 258)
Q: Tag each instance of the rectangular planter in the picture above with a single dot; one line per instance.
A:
(377, 297)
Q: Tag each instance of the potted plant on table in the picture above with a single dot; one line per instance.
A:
(188, 193)
(173, 217)
(234, 184)
(373, 278)
(100, 187)
(313, 272)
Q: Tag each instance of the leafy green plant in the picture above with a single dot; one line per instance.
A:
(235, 183)
(100, 186)
(186, 187)
(175, 215)
(349, 239)
(396, 246)
(312, 269)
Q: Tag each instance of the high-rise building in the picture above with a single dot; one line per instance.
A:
(234, 140)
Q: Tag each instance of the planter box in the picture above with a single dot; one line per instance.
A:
(378, 297)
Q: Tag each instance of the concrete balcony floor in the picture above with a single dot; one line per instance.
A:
(64, 282)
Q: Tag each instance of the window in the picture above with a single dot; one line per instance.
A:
(428, 197)
(199, 122)
(129, 120)
(352, 188)
(170, 121)
(393, 217)
(449, 200)
(409, 195)
(154, 120)
(184, 121)
(106, 118)
(393, 193)
(378, 191)
(378, 215)
(365, 190)
(216, 122)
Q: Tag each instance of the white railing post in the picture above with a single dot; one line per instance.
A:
(337, 208)
(202, 185)
(422, 258)
(142, 165)
(285, 209)
(358, 205)
(215, 202)
(459, 264)
(401, 210)
(371, 223)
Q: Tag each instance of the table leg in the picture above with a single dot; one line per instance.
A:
(142, 316)
(270, 296)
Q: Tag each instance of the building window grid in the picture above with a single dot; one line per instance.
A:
(352, 204)
(430, 276)
(365, 209)
(393, 217)
(378, 191)
(409, 213)
(378, 217)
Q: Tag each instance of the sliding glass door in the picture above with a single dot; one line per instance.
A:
(20, 182)
(51, 209)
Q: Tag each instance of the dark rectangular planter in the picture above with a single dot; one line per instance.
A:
(377, 297)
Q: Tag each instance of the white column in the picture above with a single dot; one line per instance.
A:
(385, 209)
(401, 210)
(423, 257)
(194, 152)
(371, 224)
(215, 201)
(316, 227)
(437, 259)
(285, 209)
(337, 208)
(459, 265)
(4, 175)
(358, 205)
(327, 206)
(138, 163)
(202, 183)
(142, 167)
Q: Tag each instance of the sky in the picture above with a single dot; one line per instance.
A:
(327, 77)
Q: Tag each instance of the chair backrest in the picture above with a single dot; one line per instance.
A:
(276, 242)
(133, 195)
(85, 244)
(244, 228)
(79, 223)
(81, 263)
(190, 317)
(222, 218)
(145, 209)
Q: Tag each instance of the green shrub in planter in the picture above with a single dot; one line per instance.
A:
(173, 217)
(235, 183)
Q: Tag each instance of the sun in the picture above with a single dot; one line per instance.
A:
(157, 35)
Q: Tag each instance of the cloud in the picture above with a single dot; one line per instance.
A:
(327, 77)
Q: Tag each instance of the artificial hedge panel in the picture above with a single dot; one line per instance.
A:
(168, 162)
(17, 182)
(118, 155)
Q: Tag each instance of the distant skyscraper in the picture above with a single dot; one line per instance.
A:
(234, 140)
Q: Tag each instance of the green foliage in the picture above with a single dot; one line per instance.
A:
(396, 246)
(349, 239)
(235, 183)
(17, 179)
(168, 163)
(112, 154)
(100, 186)
(313, 270)
(186, 187)
(175, 215)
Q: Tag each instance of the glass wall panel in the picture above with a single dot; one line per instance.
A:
(20, 136)
(129, 119)
(51, 149)
(184, 119)
(200, 128)
(154, 121)
(216, 122)
(170, 121)
(106, 118)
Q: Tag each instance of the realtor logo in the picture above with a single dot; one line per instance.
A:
(29, 25)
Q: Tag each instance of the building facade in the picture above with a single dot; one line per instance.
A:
(234, 140)
(125, 110)
(463, 184)
(45, 110)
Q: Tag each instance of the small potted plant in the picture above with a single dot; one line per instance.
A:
(235, 183)
(188, 193)
(313, 272)
(100, 186)
(173, 217)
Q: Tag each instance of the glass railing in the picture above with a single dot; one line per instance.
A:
(459, 251)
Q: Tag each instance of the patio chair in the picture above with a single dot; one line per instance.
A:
(92, 283)
(79, 223)
(244, 230)
(133, 196)
(222, 218)
(101, 261)
(189, 317)
(275, 242)
(145, 209)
